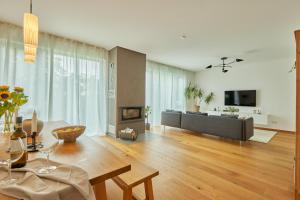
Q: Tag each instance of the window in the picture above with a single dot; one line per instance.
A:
(67, 81)
(165, 87)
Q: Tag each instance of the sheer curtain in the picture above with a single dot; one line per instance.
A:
(67, 81)
(165, 87)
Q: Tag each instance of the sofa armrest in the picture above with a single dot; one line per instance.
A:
(248, 128)
(172, 119)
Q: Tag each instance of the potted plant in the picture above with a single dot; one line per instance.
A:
(10, 102)
(192, 92)
(148, 112)
(209, 98)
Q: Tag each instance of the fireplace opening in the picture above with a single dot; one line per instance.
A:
(131, 113)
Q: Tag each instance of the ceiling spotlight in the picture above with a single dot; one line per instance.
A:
(209, 66)
(183, 37)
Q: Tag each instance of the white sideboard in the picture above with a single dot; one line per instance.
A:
(259, 119)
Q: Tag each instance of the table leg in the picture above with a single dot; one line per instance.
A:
(149, 189)
(127, 194)
(100, 191)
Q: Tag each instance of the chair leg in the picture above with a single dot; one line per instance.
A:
(127, 194)
(149, 189)
(100, 191)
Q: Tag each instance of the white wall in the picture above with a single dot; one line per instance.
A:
(275, 89)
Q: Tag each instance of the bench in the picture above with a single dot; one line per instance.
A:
(139, 174)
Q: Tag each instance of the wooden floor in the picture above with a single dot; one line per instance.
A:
(195, 167)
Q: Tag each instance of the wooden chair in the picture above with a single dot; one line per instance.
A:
(139, 174)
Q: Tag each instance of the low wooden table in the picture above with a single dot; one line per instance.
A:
(100, 163)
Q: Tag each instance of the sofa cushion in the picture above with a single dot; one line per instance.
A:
(230, 116)
(204, 114)
(169, 110)
(197, 113)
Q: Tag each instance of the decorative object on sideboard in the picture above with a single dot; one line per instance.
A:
(231, 110)
(10, 103)
(198, 95)
(257, 111)
(148, 112)
(69, 134)
(128, 134)
(30, 34)
(224, 65)
(217, 109)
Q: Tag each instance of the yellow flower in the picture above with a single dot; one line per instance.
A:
(4, 95)
(4, 88)
(19, 89)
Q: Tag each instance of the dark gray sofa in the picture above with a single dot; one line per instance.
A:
(223, 126)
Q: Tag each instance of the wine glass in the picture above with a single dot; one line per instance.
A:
(10, 151)
(48, 147)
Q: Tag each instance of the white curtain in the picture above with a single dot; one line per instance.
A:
(165, 87)
(67, 81)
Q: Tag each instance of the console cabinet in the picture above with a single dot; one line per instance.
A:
(259, 119)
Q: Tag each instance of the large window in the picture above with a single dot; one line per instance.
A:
(67, 81)
(165, 87)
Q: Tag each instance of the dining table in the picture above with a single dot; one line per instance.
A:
(100, 164)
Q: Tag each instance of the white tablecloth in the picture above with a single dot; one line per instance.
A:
(65, 183)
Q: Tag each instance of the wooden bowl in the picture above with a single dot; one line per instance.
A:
(69, 133)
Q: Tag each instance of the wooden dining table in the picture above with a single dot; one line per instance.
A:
(95, 159)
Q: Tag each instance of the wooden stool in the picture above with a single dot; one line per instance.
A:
(139, 174)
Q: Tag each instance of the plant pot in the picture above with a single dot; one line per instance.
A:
(197, 108)
(147, 126)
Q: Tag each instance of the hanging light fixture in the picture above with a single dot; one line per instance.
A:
(30, 34)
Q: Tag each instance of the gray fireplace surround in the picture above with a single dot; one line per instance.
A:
(222, 126)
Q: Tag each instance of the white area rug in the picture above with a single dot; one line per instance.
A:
(263, 136)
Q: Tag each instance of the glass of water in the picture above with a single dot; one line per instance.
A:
(46, 150)
(10, 151)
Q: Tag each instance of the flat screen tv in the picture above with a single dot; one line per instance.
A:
(240, 98)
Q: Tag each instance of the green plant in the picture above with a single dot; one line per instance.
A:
(232, 110)
(199, 93)
(148, 112)
(10, 102)
(209, 98)
(192, 92)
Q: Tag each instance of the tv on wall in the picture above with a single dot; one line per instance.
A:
(240, 98)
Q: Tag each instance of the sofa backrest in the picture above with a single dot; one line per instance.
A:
(215, 125)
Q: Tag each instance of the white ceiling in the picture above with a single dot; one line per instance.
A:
(255, 30)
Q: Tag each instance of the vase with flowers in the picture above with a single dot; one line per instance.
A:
(10, 103)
